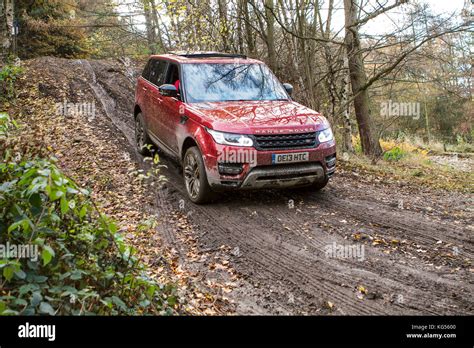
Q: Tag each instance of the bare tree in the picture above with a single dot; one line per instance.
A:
(6, 27)
(270, 37)
(248, 29)
(368, 138)
(224, 25)
(150, 27)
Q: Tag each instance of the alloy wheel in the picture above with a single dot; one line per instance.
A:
(192, 175)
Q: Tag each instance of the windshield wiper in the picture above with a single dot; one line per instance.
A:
(231, 100)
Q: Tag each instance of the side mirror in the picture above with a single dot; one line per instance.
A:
(168, 90)
(289, 88)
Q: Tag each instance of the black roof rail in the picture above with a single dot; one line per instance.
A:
(209, 55)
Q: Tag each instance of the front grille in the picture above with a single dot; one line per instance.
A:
(285, 141)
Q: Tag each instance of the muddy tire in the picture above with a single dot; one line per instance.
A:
(320, 185)
(195, 178)
(142, 140)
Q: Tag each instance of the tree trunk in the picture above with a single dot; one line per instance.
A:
(156, 25)
(293, 47)
(346, 121)
(248, 30)
(240, 36)
(6, 27)
(224, 25)
(369, 141)
(150, 30)
(305, 52)
(269, 10)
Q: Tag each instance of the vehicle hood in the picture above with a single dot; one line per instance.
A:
(259, 117)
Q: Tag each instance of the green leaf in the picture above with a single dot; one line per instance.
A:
(64, 205)
(9, 312)
(151, 291)
(27, 288)
(35, 200)
(112, 227)
(44, 172)
(76, 275)
(119, 303)
(172, 300)
(20, 302)
(55, 195)
(20, 274)
(15, 225)
(46, 308)
(40, 279)
(83, 211)
(8, 272)
(36, 298)
(47, 254)
(144, 303)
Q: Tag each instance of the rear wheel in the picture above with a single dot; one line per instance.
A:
(195, 177)
(142, 139)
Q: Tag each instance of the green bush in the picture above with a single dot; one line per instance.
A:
(83, 266)
(8, 75)
(394, 154)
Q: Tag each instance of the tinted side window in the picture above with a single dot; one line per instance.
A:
(173, 74)
(146, 71)
(157, 72)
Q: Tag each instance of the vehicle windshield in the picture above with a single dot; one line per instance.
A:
(214, 82)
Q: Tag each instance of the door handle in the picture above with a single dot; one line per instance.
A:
(145, 89)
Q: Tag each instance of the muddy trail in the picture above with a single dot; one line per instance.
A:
(412, 247)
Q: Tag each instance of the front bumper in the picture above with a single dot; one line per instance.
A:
(261, 173)
(294, 175)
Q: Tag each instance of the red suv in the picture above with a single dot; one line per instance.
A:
(231, 124)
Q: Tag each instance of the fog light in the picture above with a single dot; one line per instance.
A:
(230, 168)
(331, 161)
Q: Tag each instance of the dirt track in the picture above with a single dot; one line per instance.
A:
(417, 243)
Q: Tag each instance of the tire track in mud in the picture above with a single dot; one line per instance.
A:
(282, 249)
(424, 279)
(300, 266)
(331, 268)
(411, 224)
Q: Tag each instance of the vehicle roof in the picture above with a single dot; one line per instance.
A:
(206, 57)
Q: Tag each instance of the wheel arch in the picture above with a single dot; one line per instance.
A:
(187, 143)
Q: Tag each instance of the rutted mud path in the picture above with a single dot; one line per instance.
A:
(417, 243)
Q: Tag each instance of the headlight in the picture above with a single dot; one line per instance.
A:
(230, 138)
(325, 135)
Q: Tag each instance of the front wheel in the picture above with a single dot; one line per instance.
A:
(195, 177)
(320, 185)
(142, 139)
